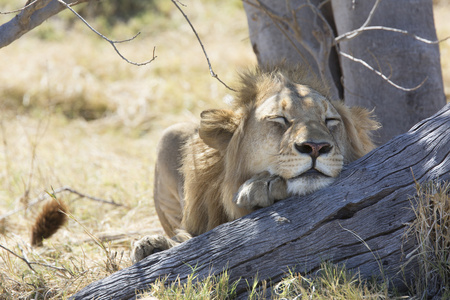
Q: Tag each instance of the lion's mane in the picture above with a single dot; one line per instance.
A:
(213, 166)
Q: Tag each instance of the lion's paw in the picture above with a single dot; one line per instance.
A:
(149, 245)
(260, 191)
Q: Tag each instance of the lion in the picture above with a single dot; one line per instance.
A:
(282, 137)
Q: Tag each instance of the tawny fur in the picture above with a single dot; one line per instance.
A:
(51, 218)
(248, 156)
(213, 166)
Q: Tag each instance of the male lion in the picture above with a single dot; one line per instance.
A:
(282, 137)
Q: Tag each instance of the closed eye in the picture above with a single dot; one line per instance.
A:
(332, 122)
(279, 119)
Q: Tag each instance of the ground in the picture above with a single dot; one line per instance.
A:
(72, 113)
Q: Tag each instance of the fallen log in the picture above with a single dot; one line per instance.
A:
(369, 202)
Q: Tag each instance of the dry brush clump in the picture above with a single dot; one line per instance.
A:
(432, 232)
(57, 267)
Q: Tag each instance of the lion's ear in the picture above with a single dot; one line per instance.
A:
(359, 124)
(217, 127)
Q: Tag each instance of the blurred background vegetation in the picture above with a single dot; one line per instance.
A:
(73, 113)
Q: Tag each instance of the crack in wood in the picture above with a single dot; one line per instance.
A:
(355, 200)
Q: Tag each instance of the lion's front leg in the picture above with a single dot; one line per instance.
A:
(260, 191)
(151, 244)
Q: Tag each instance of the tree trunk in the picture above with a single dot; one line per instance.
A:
(369, 201)
(290, 31)
(403, 59)
(295, 30)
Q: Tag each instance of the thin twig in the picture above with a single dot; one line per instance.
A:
(352, 34)
(322, 4)
(322, 34)
(82, 195)
(113, 43)
(46, 195)
(375, 255)
(356, 32)
(18, 256)
(175, 2)
(18, 10)
(369, 18)
(273, 17)
(29, 263)
(110, 262)
(182, 4)
(365, 64)
(34, 145)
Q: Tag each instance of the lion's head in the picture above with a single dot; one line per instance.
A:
(282, 122)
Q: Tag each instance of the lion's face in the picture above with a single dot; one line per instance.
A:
(297, 134)
(289, 130)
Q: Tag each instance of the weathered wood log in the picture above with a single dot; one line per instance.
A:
(370, 199)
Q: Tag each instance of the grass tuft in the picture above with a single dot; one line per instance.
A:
(210, 288)
(432, 231)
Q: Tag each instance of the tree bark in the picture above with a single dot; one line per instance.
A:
(30, 18)
(290, 31)
(369, 201)
(295, 31)
(404, 59)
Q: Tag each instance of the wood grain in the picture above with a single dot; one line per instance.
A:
(369, 202)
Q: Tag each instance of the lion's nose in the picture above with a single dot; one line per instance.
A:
(313, 149)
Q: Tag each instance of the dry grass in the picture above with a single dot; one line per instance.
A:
(72, 113)
(432, 231)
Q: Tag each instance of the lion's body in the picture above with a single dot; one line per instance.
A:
(168, 184)
(281, 137)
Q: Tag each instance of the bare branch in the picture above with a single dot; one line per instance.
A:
(369, 18)
(46, 195)
(113, 43)
(324, 37)
(322, 4)
(25, 14)
(318, 44)
(273, 16)
(33, 14)
(18, 10)
(82, 195)
(30, 17)
(354, 33)
(182, 4)
(18, 256)
(365, 64)
(175, 2)
(29, 263)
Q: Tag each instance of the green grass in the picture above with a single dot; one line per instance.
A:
(329, 282)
